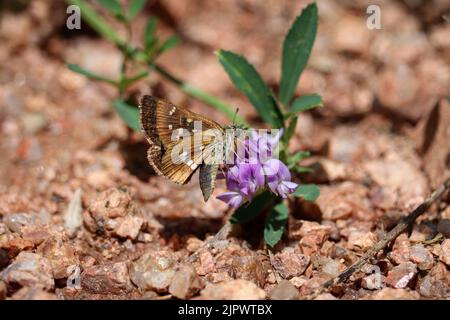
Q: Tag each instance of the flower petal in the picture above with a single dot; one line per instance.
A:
(273, 167)
(232, 199)
(290, 185)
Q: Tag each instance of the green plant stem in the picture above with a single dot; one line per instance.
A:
(104, 29)
(97, 22)
(126, 58)
(199, 94)
(126, 54)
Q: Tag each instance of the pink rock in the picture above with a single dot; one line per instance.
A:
(375, 280)
(394, 294)
(207, 264)
(185, 283)
(36, 234)
(445, 252)
(33, 293)
(440, 272)
(193, 244)
(328, 267)
(114, 213)
(299, 281)
(108, 278)
(129, 227)
(233, 290)
(400, 276)
(248, 266)
(325, 296)
(431, 287)
(17, 221)
(290, 263)
(60, 254)
(16, 244)
(352, 35)
(421, 257)
(284, 291)
(29, 269)
(401, 176)
(400, 250)
(111, 203)
(154, 271)
(361, 241)
(311, 234)
(344, 200)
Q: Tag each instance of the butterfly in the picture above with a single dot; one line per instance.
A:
(182, 142)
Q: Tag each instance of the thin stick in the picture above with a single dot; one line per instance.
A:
(391, 235)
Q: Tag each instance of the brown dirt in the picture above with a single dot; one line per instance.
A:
(380, 146)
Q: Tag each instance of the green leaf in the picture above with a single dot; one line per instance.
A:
(295, 158)
(304, 103)
(89, 74)
(247, 80)
(248, 211)
(114, 7)
(149, 35)
(128, 113)
(308, 192)
(299, 169)
(296, 50)
(127, 81)
(135, 7)
(275, 223)
(169, 43)
(290, 130)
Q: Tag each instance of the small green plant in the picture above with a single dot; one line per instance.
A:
(141, 57)
(278, 112)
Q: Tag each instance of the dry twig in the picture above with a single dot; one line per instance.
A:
(390, 236)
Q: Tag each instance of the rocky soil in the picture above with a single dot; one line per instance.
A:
(83, 217)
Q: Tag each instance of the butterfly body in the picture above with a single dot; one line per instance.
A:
(181, 142)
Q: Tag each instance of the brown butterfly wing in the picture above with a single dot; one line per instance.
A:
(147, 111)
(159, 120)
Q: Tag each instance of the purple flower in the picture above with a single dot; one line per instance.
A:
(255, 169)
(251, 178)
(279, 178)
(232, 177)
(264, 144)
(231, 198)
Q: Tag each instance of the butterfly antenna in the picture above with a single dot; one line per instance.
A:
(235, 114)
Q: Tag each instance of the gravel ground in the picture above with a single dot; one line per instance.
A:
(83, 217)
